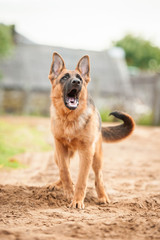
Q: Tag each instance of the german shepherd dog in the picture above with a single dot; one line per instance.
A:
(76, 125)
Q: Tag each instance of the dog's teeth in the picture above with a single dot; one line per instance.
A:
(72, 101)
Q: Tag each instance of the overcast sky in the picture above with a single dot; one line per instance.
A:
(88, 24)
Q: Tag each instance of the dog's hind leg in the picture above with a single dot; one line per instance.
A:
(62, 158)
(58, 184)
(97, 167)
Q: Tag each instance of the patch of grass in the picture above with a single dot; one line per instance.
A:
(19, 138)
(104, 113)
(145, 120)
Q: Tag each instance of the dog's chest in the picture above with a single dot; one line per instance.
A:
(67, 130)
(62, 127)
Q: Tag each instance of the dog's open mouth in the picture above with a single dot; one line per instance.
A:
(72, 99)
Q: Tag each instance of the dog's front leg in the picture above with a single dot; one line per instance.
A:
(63, 159)
(80, 189)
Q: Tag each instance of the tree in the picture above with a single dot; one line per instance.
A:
(140, 52)
(6, 39)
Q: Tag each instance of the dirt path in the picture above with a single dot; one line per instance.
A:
(132, 177)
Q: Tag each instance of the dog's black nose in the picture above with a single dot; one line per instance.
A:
(75, 82)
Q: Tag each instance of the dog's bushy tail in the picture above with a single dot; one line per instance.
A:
(116, 133)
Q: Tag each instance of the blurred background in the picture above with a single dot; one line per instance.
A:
(122, 39)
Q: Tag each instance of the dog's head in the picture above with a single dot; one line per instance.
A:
(69, 86)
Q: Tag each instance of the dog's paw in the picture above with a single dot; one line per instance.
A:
(104, 199)
(55, 186)
(77, 204)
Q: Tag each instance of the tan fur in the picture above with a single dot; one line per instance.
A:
(75, 130)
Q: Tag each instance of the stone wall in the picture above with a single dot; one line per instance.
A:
(22, 102)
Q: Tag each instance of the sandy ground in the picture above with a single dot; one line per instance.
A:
(132, 178)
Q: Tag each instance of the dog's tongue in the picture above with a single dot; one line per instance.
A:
(72, 102)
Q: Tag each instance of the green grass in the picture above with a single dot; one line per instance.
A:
(19, 138)
(145, 120)
(105, 115)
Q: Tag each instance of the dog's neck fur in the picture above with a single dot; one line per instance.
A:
(59, 110)
(71, 120)
(64, 113)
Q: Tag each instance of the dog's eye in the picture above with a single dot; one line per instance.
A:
(65, 77)
(79, 77)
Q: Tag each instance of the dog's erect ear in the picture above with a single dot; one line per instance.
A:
(83, 67)
(56, 67)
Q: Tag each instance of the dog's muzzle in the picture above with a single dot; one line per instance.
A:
(71, 95)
